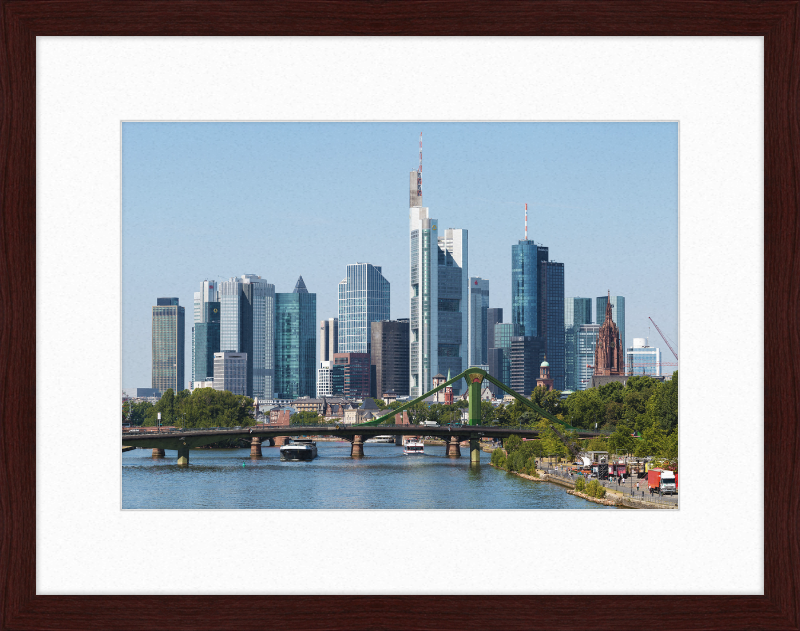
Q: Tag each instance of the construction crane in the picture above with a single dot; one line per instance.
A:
(663, 338)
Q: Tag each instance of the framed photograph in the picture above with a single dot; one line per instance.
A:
(71, 558)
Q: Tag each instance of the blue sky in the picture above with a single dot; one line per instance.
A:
(215, 200)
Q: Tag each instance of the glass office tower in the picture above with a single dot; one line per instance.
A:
(643, 359)
(537, 304)
(453, 304)
(207, 293)
(206, 341)
(295, 343)
(168, 357)
(478, 321)
(586, 345)
(577, 311)
(247, 325)
(424, 297)
(363, 299)
(525, 287)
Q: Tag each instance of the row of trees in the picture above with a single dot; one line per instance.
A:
(204, 407)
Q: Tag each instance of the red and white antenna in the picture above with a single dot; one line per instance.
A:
(526, 222)
(419, 170)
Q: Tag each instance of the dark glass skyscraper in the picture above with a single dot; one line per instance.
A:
(295, 343)
(206, 341)
(389, 357)
(537, 304)
(169, 322)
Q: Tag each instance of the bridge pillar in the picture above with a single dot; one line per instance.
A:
(474, 451)
(357, 447)
(453, 448)
(183, 455)
(255, 447)
(158, 453)
(280, 441)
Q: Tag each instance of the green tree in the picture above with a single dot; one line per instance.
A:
(512, 443)
(306, 417)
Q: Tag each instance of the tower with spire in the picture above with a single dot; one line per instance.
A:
(295, 343)
(608, 355)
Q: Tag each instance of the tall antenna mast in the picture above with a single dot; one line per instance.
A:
(419, 170)
(526, 222)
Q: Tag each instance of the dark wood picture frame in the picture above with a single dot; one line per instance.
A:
(777, 21)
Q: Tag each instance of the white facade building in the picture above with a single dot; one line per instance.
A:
(643, 359)
(423, 298)
(324, 381)
(230, 372)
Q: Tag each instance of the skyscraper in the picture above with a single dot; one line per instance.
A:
(525, 353)
(494, 315)
(206, 341)
(230, 372)
(169, 324)
(207, 293)
(617, 313)
(363, 299)
(424, 296)
(504, 332)
(247, 303)
(577, 311)
(453, 304)
(439, 299)
(328, 339)
(478, 321)
(295, 343)
(586, 345)
(537, 303)
(389, 357)
(353, 370)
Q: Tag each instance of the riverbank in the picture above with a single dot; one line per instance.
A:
(612, 498)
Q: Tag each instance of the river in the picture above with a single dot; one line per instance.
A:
(384, 478)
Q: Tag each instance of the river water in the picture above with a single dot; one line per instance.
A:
(384, 478)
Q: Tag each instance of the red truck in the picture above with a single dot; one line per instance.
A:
(661, 480)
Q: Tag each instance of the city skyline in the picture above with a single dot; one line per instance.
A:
(591, 188)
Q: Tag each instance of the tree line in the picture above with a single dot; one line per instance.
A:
(204, 407)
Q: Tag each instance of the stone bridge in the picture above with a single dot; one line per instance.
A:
(182, 441)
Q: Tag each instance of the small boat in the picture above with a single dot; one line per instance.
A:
(381, 439)
(299, 449)
(414, 447)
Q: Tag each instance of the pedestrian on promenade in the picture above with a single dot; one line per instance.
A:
(637, 487)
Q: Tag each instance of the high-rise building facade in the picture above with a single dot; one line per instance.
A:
(168, 358)
(207, 293)
(494, 315)
(586, 345)
(247, 304)
(354, 372)
(389, 357)
(526, 352)
(328, 339)
(230, 372)
(478, 321)
(206, 341)
(552, 319)
(324, 385)
(295, 343)
(537, 303)
(424, 297)
(617, 313)
(504, 332)
(438, 291)
(577, 311)
(363, 299)
(452, 299)
(643, 359)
